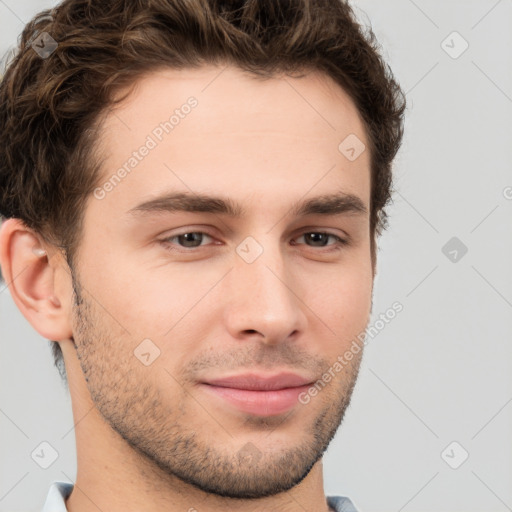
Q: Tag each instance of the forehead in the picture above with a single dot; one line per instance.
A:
(322, 102)
(219, 128)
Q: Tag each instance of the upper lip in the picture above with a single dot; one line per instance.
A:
(254, 381)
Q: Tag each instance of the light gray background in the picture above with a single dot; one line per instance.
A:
(441, 371)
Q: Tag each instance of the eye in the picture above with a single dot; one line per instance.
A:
(320, 239)
(191, 239)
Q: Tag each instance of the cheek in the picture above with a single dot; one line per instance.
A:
(157, 303)
(345, 306)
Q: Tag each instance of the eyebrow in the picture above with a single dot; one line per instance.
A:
(326, 204)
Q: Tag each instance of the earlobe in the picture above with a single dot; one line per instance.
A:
(31, 272)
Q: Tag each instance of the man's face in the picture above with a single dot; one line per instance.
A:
(263, 293)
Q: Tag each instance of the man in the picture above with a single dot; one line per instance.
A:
(193, 194)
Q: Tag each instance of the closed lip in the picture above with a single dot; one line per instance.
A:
(260, 382)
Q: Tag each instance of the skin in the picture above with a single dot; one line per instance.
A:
(150, 437)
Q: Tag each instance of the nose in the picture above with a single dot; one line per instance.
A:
(263, 299)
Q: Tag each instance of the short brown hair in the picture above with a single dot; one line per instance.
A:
(49, 106)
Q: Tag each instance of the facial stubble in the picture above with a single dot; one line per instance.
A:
(137, 408)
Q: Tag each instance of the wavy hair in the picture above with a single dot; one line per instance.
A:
(49, 107)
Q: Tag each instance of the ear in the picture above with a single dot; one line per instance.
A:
(38, 278)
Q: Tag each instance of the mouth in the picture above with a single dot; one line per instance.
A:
(262, 395)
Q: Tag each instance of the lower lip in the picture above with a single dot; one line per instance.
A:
(263, 403)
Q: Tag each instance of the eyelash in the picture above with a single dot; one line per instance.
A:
(340, 242)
